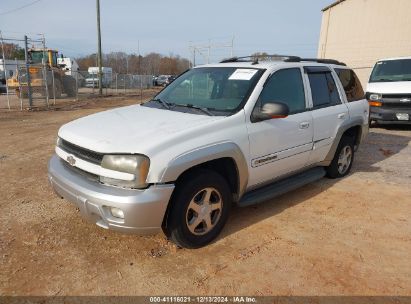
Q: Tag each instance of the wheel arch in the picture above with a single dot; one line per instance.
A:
(354, 128)
(224, 158)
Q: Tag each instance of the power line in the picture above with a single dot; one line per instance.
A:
(19, 8)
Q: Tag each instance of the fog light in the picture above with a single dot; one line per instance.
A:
(117, 212)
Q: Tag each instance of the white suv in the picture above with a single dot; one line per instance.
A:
(235, 133)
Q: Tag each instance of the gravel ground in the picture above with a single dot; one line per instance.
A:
(333, 237)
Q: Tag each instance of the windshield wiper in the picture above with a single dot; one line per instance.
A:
(203, 109)
(164, 103)
(385, 80)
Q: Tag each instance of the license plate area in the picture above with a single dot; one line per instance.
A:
(402, 116)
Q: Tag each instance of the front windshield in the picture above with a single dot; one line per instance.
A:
(92, 75)
(392, 70)
(212, 88)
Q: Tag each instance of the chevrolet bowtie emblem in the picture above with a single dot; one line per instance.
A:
(71, 160)
(405, 100)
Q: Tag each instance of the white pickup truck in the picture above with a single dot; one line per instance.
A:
(239, 132)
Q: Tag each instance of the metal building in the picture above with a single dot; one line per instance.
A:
(360, 32)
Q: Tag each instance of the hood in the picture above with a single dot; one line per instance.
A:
(394, 87)
(131, 129)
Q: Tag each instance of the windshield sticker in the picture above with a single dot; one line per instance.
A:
(242, 74)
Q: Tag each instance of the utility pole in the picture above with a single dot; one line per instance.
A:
(26, 56)
(99, 60)
(6, 75)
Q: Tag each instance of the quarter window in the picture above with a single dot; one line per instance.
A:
(285, 86)
(351, 84)
(323, 89)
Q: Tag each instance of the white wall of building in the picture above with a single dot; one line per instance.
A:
(360, 32)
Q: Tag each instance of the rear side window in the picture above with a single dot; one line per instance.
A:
(323, 89)
(285, 86)
(351, 84)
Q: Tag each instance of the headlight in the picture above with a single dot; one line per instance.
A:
(375, 97)
(137, 165)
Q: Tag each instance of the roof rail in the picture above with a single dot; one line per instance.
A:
(264, 57)
(286, 58)
(324, 60)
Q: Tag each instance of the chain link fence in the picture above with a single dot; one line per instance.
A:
(47, 86)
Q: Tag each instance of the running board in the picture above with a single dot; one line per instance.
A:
(280, 187)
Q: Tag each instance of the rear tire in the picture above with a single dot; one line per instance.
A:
(373, 124)
(199, 209)
(343, 158)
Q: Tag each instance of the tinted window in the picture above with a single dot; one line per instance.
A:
(323, 89)
(351, 84)
(285, 86)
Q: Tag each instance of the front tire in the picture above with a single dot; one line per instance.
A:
(343, 158)
(199, 210)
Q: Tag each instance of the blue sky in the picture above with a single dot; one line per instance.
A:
(167, 27)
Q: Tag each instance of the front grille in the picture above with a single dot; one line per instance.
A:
(88, 175)
(397, 105)
(85, 154)
(396, 96)
(395, 101)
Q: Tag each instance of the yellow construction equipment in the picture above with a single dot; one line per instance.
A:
(41, 74)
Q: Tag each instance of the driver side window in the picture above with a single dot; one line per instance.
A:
(285, 86)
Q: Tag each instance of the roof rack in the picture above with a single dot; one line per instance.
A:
(286, 58)
(263, 57)
(323, 60)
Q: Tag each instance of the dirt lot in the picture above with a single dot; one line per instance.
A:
(345, 237)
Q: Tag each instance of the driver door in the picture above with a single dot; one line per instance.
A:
(282, 145)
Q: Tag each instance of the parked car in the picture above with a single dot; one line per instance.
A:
(239, 132)
(161, 80)
(389, 91)
(169, 80)
(155, 80)
(92, 78)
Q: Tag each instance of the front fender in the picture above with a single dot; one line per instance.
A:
(198, 156)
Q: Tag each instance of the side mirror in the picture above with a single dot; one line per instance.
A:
(270, 111)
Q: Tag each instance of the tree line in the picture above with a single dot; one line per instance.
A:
(12, 51)
(150, 64)
(121, 62)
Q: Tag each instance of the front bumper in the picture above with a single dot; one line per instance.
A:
(91, 85)
(388, 115)
(143, 209)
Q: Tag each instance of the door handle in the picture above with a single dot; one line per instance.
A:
(341, 115)
(304, 125)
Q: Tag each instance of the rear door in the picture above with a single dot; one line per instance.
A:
(328, 109)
